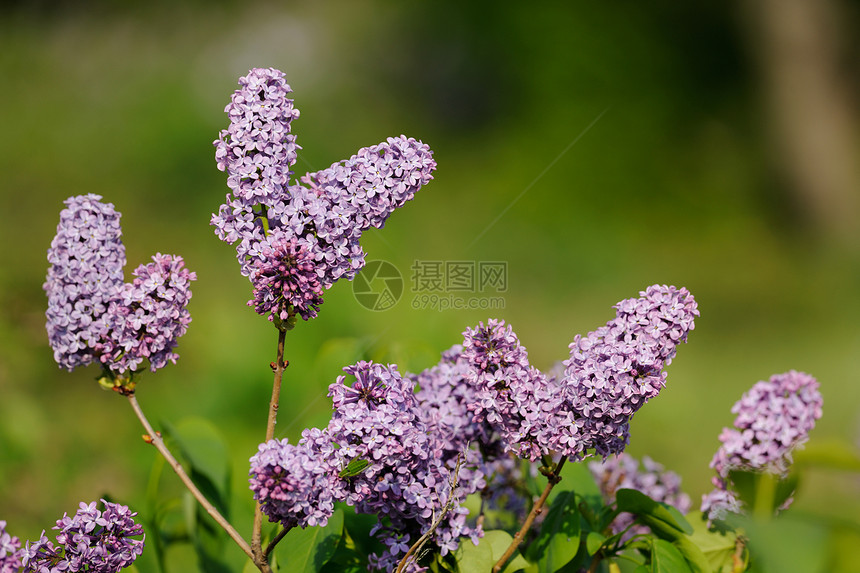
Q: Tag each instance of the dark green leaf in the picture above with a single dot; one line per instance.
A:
(204, 452)
(638, 503)
(307, 550)
(575, 476)
(558, 540)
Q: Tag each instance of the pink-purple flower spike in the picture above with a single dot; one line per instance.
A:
(323, 216)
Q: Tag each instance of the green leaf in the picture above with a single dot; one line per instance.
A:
(575, 476)
(471, 557)
(499, 542)
(483, 557)
(665, 558)
(638, 503)
(307, 550)
(594, 541)
(557, 542)
(202, 448)
(717, 547)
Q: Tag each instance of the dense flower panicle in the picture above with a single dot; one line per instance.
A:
(10, 551)
(773, 418)
(327, 214)
(614, 370)
(257, 150)
(377, 455)
(444, 398)
(625, 472)
(91, 540)
(293, 485)
(375, 181)
(285, 281)
(148, 316)
(87, 259)
(92, 314)
(516, 399)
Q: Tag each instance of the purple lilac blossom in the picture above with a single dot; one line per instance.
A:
(616, 369)
(327, 215)
(92, 314)
(406, 480)
(91, 540)
(293, 485)
(515, 398)
(625, 472)
(773, 418)
(284, 279)
(611, 373)
(148, 316)
(10, 551)
(87, 259)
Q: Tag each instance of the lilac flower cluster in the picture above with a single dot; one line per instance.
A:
(87, 259)
(10, 551)
(624, 472)
(377, 455)
(616, 369)
(92, 314)
(773, 418)
(292, 484)
(611, 373)
(279, 226)
(513, 397)
(91, 540)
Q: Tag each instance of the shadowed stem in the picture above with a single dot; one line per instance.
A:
(276, 539)
(553, 477)
(154, 438)
(278, 366)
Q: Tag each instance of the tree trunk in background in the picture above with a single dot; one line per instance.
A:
(811, 117)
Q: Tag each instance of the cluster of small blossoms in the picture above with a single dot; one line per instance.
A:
(87, 259)
(277, 224)
(92, 314)
(377, 455)
(292, 483)
(514, 398)
(92, 540)
(624, 472)
(611, 373)
(148, 315)
(10, 551)
(614, 370)
(773, 418)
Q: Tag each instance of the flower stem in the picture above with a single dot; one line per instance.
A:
(155, 439)
(278, 366)
(553, 477)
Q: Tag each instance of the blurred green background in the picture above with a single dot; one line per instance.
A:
(597, 148)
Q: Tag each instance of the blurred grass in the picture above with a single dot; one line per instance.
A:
(671, 185)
